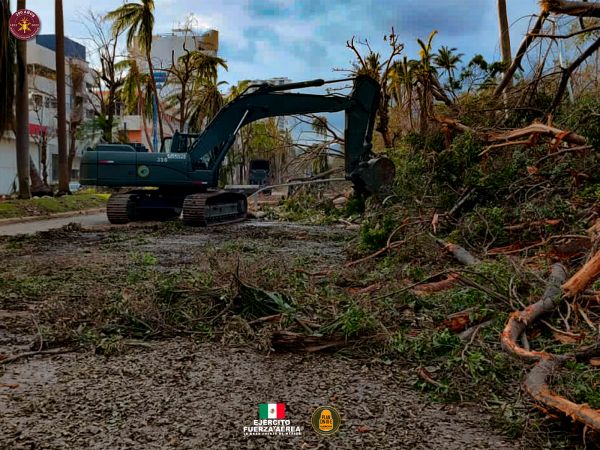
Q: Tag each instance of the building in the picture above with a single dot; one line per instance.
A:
(43, 145)
(166, 49)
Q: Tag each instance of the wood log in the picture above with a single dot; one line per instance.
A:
(437, 286)
(584, 276)
(536, 386)
(459, 253)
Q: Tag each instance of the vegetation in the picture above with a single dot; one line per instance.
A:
(49, 205)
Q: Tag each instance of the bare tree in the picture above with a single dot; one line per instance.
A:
(108, 76)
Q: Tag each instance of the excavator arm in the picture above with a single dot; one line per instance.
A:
(360, 107)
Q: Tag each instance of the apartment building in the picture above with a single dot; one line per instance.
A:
(43, 145)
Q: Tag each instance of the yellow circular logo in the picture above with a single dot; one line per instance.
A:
(326, 420)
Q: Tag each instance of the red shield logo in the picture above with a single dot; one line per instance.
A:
(24, 24)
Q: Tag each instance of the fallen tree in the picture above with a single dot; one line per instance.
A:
(547, 363)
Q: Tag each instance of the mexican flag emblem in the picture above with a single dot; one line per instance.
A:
(271, 411)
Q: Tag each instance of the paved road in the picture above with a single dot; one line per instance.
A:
(43, 225)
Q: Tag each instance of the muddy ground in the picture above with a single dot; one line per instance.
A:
(192, 391)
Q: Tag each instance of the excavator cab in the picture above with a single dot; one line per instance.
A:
(178, 143)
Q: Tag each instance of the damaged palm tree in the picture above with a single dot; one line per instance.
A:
(253, 302)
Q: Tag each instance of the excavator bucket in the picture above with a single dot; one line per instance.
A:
(374, 176)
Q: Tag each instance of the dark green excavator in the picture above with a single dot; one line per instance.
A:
(186, 178)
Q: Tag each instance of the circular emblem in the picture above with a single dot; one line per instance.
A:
(143, 171)
(326, 420)
(24, 24)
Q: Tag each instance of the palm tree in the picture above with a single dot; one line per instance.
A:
(207, 101)
(7, 74)
(136, 93)
(138, 20)
(61, 96)
(424, 72)
(402, 80)
(22, 116)
(447, 60)
(236, 91)
(192, 70)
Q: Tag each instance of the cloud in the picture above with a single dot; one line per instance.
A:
(267, 8)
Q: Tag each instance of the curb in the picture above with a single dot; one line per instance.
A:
(26, 219)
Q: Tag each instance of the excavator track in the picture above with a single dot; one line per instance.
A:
(118, 208)
(214, 208)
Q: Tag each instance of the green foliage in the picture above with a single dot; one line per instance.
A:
(458, 165)
(584, 116)
(375, 231)
(354, 321)
(48, 205)
(580, 383)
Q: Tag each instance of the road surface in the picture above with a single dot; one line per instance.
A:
(49, 224)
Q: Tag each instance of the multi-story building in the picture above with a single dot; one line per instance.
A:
(166, 49)
(43, 145)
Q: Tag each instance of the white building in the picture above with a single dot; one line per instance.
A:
(41, 65)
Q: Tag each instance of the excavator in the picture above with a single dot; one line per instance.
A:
(185, 179)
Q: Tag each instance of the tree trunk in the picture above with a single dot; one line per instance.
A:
(22, 116)
(38, 187)
(155, 91)
(110, 116)
(504, 32)
(72, 146)
(44, 160)
(63, 169)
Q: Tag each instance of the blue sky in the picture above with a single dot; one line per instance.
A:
(305, 39)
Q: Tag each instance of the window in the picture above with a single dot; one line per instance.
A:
(36, 101)
(50, 102)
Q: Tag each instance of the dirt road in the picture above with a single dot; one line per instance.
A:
(179, 393)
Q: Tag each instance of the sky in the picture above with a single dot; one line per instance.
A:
(305, 39)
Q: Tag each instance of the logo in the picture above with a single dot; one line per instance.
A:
(24, 24)
(143, 171)
(326, 420)
(272, 422)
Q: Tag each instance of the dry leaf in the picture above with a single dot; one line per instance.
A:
(565, 338)
(372, 288)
